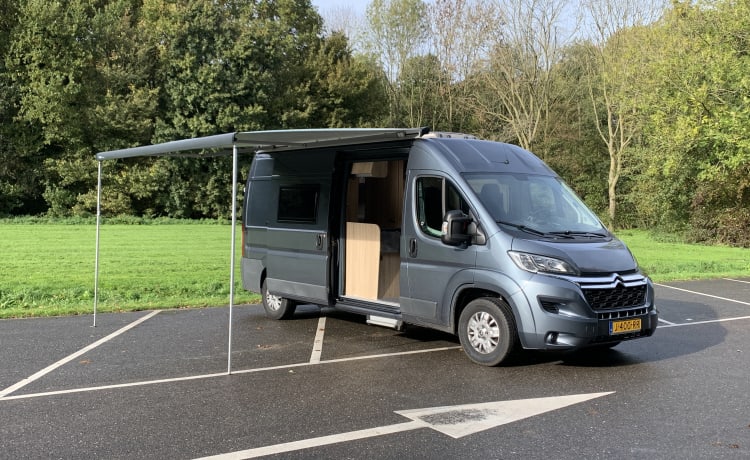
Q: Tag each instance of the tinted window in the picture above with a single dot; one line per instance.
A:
(298, 203)
(435, 197)
(539, 202)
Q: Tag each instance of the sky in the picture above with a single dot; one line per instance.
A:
(358, 6)
(343, 15)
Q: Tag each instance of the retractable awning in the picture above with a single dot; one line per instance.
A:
(234, 144)
(255, 141)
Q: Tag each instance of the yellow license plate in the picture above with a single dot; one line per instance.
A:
(622, 327)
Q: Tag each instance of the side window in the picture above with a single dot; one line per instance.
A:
(454, 200)
(298, 203)
(436, 196)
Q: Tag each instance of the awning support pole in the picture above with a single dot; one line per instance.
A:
(231, 263)
(98, 224)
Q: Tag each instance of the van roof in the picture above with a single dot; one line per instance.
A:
(275, 140)
(477, 156)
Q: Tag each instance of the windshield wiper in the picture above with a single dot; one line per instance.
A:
(558, 234)
(572, 233)
(523, 228)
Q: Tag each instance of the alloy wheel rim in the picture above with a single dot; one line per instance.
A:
(483, 332)
(273, 302)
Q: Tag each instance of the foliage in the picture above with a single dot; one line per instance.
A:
(520, 72)
(20, 171)
(646, 114)
(697, 144)
(83, 76)
(461, 33)
(396, 33)
(345, 91)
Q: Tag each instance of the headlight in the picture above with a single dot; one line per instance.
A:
(541, 264)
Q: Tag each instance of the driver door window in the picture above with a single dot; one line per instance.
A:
(436, 196)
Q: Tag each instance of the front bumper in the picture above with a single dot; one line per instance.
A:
(571, 335)
(573, 313)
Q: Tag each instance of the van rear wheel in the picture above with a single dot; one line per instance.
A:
(277, 307)
(487, 331)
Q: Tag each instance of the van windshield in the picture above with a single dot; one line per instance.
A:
(535, 203)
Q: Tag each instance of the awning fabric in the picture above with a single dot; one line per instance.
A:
(234, 144)
(278, 140)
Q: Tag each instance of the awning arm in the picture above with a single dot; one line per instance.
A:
(98, 224)
(232, 258)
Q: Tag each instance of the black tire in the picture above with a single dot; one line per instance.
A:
(277, 307)
(487, 331)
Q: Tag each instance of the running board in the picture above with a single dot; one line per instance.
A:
(385, 322)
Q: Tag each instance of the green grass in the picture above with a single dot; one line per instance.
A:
(673, 260)
(47, 269)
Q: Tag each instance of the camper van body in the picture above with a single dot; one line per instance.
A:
(476, 238)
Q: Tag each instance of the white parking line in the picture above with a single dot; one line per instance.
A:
(319, 441)
(666, 322)
(723, 320)
(318, 344)
(703, 294)
(736, 281)
(223, 374)
(75, 355)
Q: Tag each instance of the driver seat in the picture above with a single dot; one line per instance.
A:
(494, 201)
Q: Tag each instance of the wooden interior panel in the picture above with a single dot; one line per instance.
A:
(390, 266)
(385, 197)
(370, 169)
(374, 205)
(362, 260)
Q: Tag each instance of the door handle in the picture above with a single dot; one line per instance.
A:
(319, 239)
(413, 247)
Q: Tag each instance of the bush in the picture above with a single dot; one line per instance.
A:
(732, 227)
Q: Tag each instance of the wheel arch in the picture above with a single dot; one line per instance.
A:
(507, 291)
(487, 331)
(253, 273)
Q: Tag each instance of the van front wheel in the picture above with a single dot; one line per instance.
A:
(277, 307)
(487, 331)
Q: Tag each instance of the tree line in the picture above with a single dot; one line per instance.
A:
(642, 108)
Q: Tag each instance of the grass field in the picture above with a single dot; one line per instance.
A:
(48, 268)
(669, 261)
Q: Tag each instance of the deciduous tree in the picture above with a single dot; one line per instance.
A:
(613, 64)
(698, 133)
(520, 72)
(397, 30)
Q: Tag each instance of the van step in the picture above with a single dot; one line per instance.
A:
(385, 322)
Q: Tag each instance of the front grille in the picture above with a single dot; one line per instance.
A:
(622, 314)
(617, 297)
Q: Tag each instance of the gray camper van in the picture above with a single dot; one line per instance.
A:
(477, 238)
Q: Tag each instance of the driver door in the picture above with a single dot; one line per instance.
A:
(430, 269)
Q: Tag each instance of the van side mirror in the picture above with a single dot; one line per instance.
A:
(455, 229)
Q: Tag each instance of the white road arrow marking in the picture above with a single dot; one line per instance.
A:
(454, 421)
(459, 421)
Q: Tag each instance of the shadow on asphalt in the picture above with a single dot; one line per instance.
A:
(667, 342)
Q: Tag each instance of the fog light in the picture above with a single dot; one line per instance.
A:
(551, 338)
(551, 306)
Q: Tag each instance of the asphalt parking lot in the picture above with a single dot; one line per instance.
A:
(327, 385)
